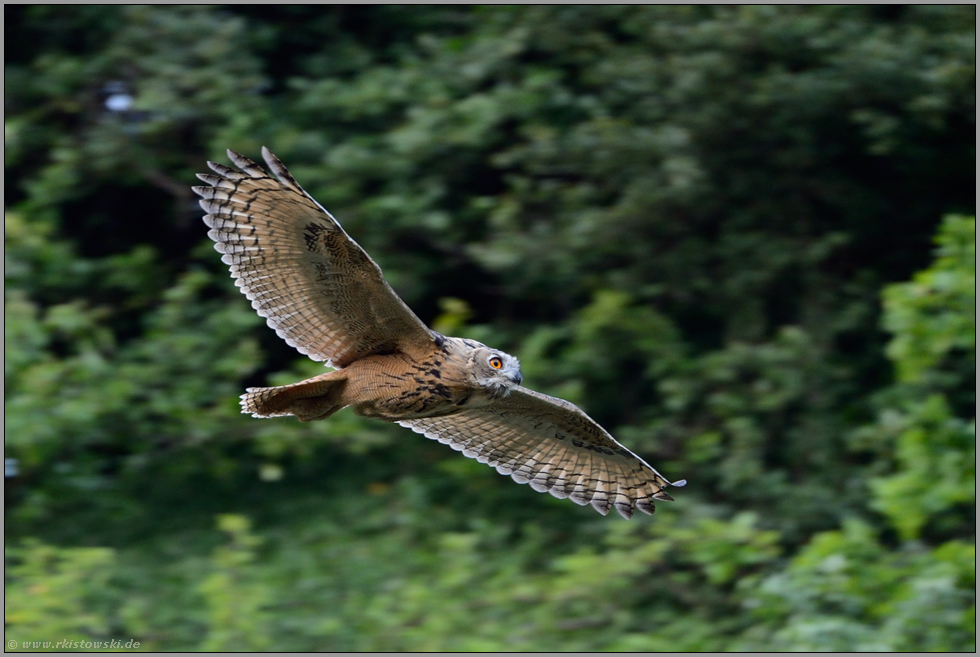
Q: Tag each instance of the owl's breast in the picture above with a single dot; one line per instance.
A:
(394, 387)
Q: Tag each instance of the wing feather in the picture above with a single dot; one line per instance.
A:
(552, 445)
(314, 285)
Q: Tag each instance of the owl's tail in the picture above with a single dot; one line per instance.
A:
(313, 399)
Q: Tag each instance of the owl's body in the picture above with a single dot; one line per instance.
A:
(391, 387)
(324, 295)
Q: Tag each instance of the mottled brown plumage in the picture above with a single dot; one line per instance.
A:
(324, 295)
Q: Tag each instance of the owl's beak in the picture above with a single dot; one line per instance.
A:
(516, 377)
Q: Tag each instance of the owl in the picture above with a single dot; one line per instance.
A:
(326, 297)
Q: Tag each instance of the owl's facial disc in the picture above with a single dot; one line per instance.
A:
(498, 372)
(507, 365)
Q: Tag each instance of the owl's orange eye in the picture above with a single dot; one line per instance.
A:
(496, 363)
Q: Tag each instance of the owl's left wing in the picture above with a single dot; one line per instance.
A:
(314, 285)
(553, 446)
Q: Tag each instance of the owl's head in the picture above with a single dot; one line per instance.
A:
(494, 370)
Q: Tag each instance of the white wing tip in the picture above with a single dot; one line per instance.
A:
(601, 505)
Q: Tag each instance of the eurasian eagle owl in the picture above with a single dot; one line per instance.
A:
(324, 296)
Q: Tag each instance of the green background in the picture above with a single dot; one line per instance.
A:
(741, 238)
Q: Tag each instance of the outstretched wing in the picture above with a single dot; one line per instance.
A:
(552, 445)
(314, 285)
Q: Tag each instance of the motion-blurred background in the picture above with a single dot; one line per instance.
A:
(739, 237)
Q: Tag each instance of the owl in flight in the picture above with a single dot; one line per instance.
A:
(327, 298)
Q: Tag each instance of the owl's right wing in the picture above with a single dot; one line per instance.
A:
(314, 285)
(553, 446)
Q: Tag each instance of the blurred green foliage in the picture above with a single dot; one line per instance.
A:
(709, 226)
(933, 322)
